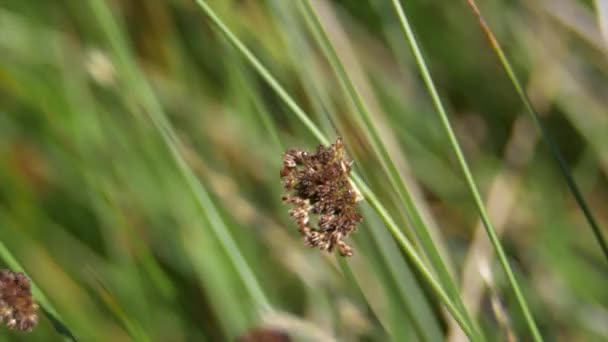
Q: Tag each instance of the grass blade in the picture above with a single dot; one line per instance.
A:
(153, 109)
(465, 169)
(408, 248)
(546, 135)
(374, 242)
(389, 166)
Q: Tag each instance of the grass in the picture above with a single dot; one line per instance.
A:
(547, 136)
(367, 193)
(141, 143)
(483, 213)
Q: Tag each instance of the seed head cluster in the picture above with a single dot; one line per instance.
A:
(17, 307)
(318, 187)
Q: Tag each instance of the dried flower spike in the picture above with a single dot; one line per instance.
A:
(318, 184)
(17, 307)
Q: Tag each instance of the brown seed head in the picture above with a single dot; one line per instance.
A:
(17, 307)
(318, 184)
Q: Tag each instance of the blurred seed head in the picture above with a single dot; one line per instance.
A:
(318, 184)
(17, 307)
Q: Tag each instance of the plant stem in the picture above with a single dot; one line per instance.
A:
(547, 136)
(465, 169)
(154, 110)
(389, 166)
(369, 195)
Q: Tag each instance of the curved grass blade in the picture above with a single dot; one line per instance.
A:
(375, 241)
(389, 166)
(465, 169)
(135, 331)
(386, 254)
(547, 137)
(153, 109)
(407, 247)
(58, 325)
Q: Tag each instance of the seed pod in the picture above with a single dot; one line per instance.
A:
(318, 184)
(17, 307)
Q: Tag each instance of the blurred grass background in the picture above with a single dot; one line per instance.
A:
(126, 246)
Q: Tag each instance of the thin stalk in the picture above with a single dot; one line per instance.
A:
(547, 136)
(365, 190)
(266, 75)
(409, 249)
(388, 164)
(397, 271)
(466, 171)
(135, 330)
(153, 109)
(408, 286)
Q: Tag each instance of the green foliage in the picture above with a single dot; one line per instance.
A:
(141, 143)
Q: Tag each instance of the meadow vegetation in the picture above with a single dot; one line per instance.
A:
(142, 155)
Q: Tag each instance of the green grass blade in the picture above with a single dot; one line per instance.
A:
(389, 166)
(413, 255)
(385, 253)
(465, 169)
(300, 50)
(401, 276)
(135, 331)
(153, 109)
(289, 101)
(546, 135)
(367, 193)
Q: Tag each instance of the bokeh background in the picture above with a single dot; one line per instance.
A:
(125, 244)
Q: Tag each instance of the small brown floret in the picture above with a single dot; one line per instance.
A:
(318, 184)
(17, 307)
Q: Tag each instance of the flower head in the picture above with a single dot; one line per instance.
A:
(318, 184)
(17, 307)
